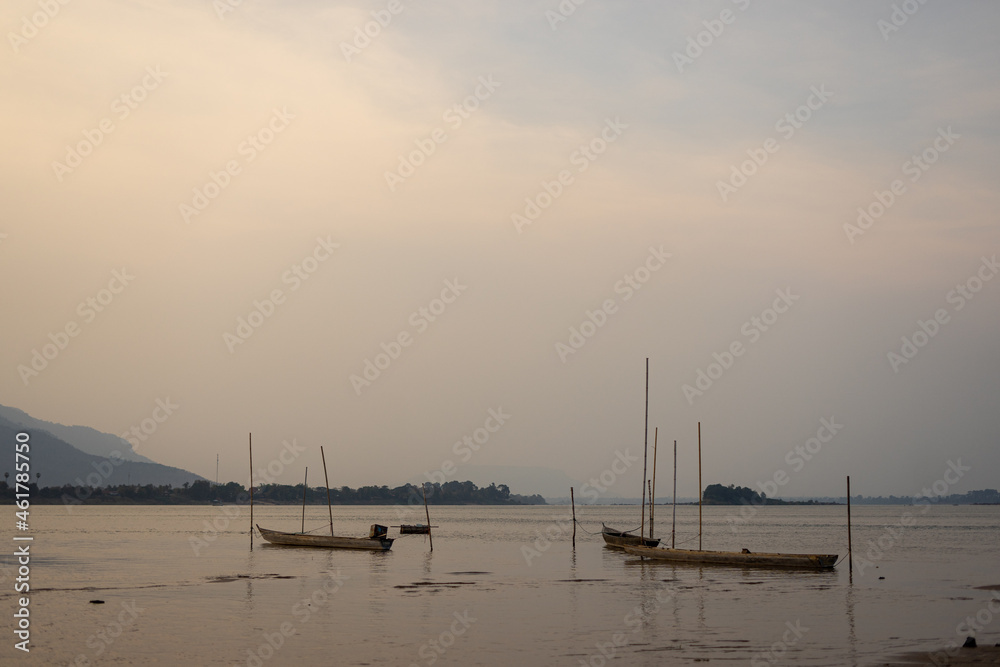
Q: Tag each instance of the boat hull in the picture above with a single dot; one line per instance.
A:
(799, 561)
(326, 541)
(619, 540)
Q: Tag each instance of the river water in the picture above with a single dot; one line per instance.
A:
(503, 586)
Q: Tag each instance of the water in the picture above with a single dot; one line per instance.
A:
(477, 600)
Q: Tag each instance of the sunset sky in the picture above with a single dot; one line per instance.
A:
(238, 206)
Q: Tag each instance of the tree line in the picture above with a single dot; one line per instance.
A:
(204, 492)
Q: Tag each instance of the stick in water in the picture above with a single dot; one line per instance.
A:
(329, 505)
(652, 491)
(304, 487)
(427, 513)
(251, 489)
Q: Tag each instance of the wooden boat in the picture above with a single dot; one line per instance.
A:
(618, 539)
(745, 558)
(378, 543)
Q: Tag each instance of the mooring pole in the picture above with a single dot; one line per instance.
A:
(673, 523)
(326, 478)
(427, 513)
(250, 442)
(572, 503)
(652, 490)
(699, 486)
(304, 487)
(645, 447)
(850, 556)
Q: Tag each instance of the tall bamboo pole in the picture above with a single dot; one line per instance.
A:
(699, 486)
(329, 504)
(645, 447)
(673, 523)
(572, 503)
(427, 513)
(652, 492)
(850, 555)
(251, 488)
(304, 487)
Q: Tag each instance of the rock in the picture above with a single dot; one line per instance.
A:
(970, 642)
(881, 577)
(97, 602)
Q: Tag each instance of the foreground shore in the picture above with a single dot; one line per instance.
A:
(981, 655)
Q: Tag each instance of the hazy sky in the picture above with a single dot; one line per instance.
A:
(508, 167)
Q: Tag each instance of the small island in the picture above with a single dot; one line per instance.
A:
(717, 494)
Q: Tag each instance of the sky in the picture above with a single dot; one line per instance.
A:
(432, 235)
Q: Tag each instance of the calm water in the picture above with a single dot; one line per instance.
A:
(477, 600)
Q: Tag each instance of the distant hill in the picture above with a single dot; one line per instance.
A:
(84, 438)
(61, 463)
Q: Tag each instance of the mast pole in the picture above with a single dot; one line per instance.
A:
(652, 492)
(699, 486)
(304, 487)
(572, 503)
(673, 524)
(645, 447)
(427, 513)
(250, 442)
(850, 555)
(329, 505)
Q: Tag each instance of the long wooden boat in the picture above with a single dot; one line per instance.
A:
(745, 558)
(378, 543)
(620, 540)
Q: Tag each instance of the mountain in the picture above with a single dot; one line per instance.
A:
(84, 438)
(61, 463)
